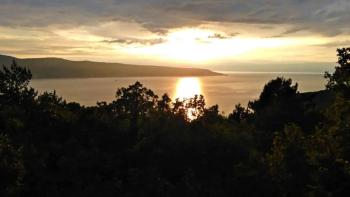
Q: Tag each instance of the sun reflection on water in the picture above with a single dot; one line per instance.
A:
(187, 88)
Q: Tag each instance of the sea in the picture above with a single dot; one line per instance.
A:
(226, 91)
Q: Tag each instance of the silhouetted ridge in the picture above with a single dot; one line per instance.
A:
(62, 68)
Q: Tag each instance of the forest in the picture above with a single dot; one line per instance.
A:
(285, 143)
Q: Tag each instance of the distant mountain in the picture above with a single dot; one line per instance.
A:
(62, 68)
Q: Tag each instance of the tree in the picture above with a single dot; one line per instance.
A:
(277, 106)
(340, 79)
(239, 113)
(189, 109)
(11, 167)
(164, 104)
(195, 107)
(276, 90)
(134, 105)
(212, 114)
(135, 101)
(288, 163)
(14, 83)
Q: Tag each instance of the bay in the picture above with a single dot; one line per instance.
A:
(226, 91)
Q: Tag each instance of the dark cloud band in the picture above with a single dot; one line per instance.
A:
(328, 17)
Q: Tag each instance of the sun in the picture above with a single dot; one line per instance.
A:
(195, 45)
(182, 45)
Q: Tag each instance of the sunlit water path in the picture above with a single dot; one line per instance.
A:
(226, 91)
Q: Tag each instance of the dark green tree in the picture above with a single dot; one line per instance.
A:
(275, 91)
(288, 162)
(239, 114)
(277, 106)
(14, 81)
(135, 101)
(340, 79)
(11, 167)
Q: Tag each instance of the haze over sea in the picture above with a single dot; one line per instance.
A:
(226, 91)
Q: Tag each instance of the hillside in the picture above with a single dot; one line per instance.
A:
(62, 68)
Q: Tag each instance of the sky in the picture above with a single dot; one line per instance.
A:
(216, 34)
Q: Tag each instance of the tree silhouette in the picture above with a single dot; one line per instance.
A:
(142, 145)
(276, 90)
(288, 162)
(135, 100)
(11, 167)
(14, 83)
(239, 113)
(164, 104)
(340, 79)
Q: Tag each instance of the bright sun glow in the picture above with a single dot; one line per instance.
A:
(199, 45)
(188, 88)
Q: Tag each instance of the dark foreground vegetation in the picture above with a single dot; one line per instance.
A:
(285, 143)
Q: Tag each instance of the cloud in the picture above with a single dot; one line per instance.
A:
(222, 36)
(327, 17)
(294, 30)
(337, 44)
(289, 31)
(133, 41)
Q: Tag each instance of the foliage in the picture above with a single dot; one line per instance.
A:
(340, 79)
(239, 114)
(282, 144)
(275, 91)
(11, 167)
(14, 84)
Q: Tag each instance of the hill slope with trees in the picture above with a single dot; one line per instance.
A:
(283, 144)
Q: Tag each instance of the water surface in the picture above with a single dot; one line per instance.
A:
(226, 91)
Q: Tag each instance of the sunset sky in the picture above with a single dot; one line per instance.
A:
(202, 33)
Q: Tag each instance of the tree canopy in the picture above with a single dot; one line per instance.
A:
(340, 79)
(285, 143)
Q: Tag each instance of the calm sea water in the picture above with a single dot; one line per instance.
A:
(226, 91)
